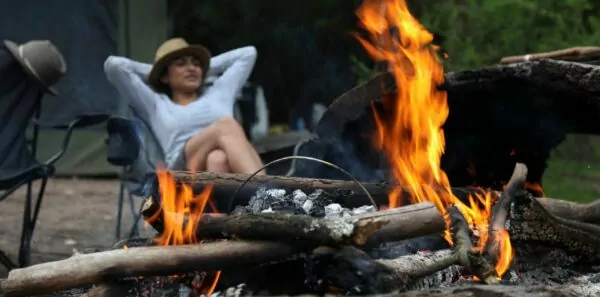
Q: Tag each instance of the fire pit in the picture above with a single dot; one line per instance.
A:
(412, 235)
(302, 241)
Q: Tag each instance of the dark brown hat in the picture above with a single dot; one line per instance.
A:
(41, 60)
(171, 50)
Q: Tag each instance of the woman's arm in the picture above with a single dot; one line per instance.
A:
(236, 66)
(129, 78)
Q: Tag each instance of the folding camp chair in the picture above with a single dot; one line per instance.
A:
(20, 100)
(133, 146)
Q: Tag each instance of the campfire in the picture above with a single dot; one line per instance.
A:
(415, 236)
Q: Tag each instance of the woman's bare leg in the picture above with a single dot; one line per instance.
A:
(228, 136)
(216, 161)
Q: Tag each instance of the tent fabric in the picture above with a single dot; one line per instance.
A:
(86, 32)
(19, 98)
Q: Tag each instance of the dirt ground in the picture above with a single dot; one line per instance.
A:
(75, 214)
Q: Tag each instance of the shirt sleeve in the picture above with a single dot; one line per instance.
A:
(235, 66)
(129, 78)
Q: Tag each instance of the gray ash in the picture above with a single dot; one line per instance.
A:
(316, 204)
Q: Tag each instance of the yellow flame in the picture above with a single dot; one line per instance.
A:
(413, 138)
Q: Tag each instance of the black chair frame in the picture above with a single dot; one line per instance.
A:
(40, 171)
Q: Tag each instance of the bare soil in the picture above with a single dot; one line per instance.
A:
(76, 214)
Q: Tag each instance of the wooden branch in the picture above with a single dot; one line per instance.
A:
(224, 185)
(581, 53)
(349, 194)
(501, 210)
(488, 291)
(95, 268)
(375, 227)
(289, 228)
(464, 252)
(329, 267)
(405, 222)
(404, 273)
(581, 212)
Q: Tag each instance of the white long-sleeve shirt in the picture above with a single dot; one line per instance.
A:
(174, 124)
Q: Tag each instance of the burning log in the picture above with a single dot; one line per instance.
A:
(225, 185)
(375, 227)
(348, 194)
(410, 272)
(497, 235)
(95, 268)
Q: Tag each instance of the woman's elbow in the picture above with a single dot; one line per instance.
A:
(250, 53)
(112, 66)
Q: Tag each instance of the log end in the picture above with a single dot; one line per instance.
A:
(365, 228)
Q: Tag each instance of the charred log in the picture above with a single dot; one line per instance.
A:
(357, 273)
(531, 222)
(382, 226)
(501, 211)
(348, 193)
(545, 99)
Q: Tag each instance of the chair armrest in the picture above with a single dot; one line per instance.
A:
(80, 121)
(123, 142)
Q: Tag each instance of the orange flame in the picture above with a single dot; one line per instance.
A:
(181, 213)
(535, 188)
(413, 140)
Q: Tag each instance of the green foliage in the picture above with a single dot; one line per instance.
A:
(480, 32)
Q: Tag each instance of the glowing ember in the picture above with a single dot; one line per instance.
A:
(181, 214)
(414, 140)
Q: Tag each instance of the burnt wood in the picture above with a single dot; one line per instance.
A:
(374, 228)
(349, 194)
(499, 115)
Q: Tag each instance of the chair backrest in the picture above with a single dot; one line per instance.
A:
(19, 101)
(140, 175)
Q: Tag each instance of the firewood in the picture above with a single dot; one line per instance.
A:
(348, 194)
(531, 222)
(373, 228)
(501, 210)
(96, 268)
(583, 53)
(225, 184)
(409, 272)
(486, 291)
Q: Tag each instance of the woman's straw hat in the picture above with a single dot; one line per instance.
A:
(173, 49)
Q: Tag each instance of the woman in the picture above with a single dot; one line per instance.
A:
(194, 125)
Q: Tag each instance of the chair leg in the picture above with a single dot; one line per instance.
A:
(120, 211)
(29, 221)
(7, 262)
(135, 231)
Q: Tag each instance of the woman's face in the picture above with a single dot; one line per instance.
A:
(184, 75)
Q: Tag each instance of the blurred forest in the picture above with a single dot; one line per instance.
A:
(307, 53)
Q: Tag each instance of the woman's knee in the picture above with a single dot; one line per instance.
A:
(216, 161)
(229, 126)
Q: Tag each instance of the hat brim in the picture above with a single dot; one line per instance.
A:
(199, 52)
(14, 50)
